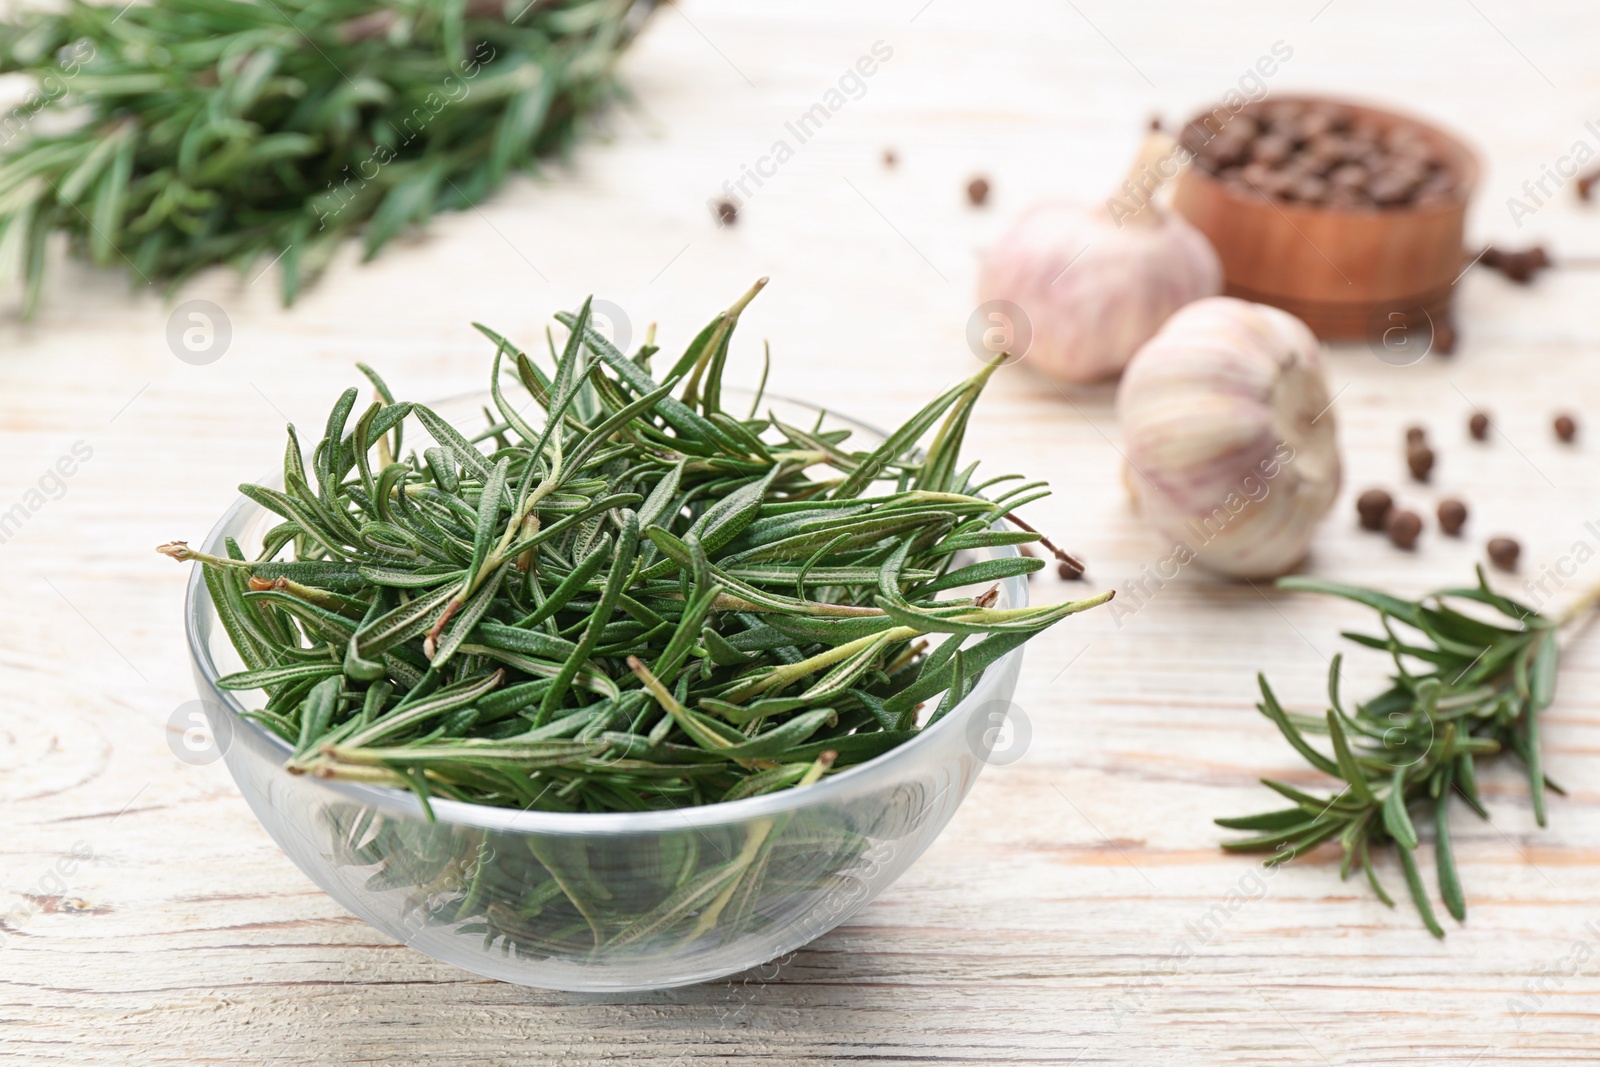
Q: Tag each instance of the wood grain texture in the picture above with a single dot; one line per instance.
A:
(1077, 909)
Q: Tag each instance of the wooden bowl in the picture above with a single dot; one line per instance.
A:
(1349, 273)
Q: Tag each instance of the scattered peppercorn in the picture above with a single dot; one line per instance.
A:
(1416, 435)
(1452, 516)
(1478, 426)
(727, 213)
(1403, 528)
(889, 158)
(1566, 428)
(1155, 123)
(1444, 336)
(1373, 506)
(1420, 459)
(1586, 184)
(1503, 553)
(1520, 267)
(978, 191)
(1067, 572)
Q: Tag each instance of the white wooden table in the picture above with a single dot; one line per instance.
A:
(1045, 925)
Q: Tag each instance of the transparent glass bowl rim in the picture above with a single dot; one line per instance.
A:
(835, 788)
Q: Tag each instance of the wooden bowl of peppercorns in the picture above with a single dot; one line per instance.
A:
(1348, 216)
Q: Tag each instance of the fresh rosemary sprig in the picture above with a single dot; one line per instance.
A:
(637, 601)
(227, 131)
(1463, 688)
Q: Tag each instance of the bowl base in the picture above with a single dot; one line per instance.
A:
(1425, 317)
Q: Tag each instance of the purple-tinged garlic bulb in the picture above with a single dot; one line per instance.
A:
(1096, 283)
(1228, 429)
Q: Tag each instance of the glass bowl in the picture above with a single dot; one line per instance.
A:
(612, 901)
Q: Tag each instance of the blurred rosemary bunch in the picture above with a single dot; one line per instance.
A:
(1465, 686)
(635, 600)
(168, 136)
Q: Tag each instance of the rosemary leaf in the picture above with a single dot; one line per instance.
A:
(187, 133)
(1463, 687)
(633, 601)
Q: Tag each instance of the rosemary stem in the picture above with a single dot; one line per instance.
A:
(180, 551)
(1580, 608)
(408, 655)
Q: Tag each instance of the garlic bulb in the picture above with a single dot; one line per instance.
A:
(1227, 429)
(1097, 283)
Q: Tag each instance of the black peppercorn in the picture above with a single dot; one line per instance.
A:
(1452, 516)
(727, 212)
(1420, 459)
(1520, 267)
(1403, 528)
(1373, 506)
(1566, 428)
(978, 191)
(1478, 426)
(1326, 157)
(1503, 553)
(1444, 336)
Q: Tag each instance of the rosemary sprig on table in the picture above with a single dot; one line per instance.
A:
(202, 132)
(636, 601)
(1463, 688)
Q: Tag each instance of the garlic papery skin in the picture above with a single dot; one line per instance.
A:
(1230, 437)
(1097, 283)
